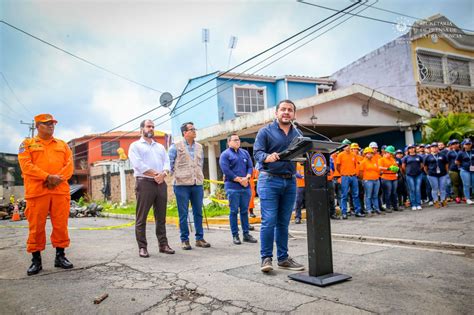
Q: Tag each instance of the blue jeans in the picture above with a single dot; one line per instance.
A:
(467, 179)
(299, 202)
(427, 186)
(352, 183)
(185, 194)
(239, 199)
(390, 193)
(438, 184)
(414, 188)
(277, 198)
(371, 192)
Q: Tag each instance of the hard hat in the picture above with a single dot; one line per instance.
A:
(368, 150)
(390, 149)
(346, 141)
(355, 146)
(373, 145)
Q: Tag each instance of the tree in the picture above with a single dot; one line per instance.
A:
(445, 128)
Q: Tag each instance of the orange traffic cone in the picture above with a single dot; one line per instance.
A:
(16, 214)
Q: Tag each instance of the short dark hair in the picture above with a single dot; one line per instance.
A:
(286, 101)
(142, 124)
(230, 136)
(184, 127)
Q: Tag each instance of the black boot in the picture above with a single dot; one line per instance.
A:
(36, 264)
(61, 261)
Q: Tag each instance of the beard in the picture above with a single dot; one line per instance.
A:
(149, 134)
(287, 122)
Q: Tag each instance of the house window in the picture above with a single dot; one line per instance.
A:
(109, 148)
(249, 100)
(458, 72)
(430, 68)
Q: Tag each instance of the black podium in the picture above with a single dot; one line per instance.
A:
(316, 155)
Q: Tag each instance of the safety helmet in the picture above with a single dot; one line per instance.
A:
(368, 150)
(373, 145)
(390, 149)
(355, 146)
(346, 141)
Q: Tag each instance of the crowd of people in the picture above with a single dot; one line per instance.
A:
(374, 182)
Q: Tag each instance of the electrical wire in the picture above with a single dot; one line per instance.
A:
(233, 77)
(14, 94)
(229, 70)
(374, 19)
(13, 111)
(80, 58)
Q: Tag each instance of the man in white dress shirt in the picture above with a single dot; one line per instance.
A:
(150, 165)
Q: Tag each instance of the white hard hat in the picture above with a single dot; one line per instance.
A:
(373, 145)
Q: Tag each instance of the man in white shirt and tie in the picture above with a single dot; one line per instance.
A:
(150, 165)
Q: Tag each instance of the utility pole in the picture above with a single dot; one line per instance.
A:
(205, 40)
(31, 126)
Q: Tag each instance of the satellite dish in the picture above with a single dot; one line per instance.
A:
(166, 99)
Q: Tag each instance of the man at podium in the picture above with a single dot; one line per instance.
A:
(276, 186)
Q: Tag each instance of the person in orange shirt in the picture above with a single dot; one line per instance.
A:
(252, 181)
(346, 165)
(46, 165)
(299, 204)
(370, 173)
(389, 168)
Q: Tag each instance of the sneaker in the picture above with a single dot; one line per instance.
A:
(252, 215)
(266, 265)
(414, 208)
(360, 215)
(290, 264)
(444, 203)
(344, 216)
(249, 238)
(430, 203)
(388, 210)
(236, 240)
(469, 201)
(202, 243)
(419, 208)
(297, 221)
(378, 212)
(334, 217)
(185, 245)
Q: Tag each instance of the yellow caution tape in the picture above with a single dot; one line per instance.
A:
(224, 202)
(214, 181)
(111, 227)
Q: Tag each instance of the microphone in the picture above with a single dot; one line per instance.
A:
(294, 122)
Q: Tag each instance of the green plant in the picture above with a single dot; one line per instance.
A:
(445, 128)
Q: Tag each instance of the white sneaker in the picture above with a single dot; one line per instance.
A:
(430, 203)
(419, 208)
(469, 201)
(413, 208)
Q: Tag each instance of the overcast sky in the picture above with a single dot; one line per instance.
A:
(158, 44)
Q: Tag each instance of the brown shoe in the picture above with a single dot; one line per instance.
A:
(185, 245)
(142, 252)
(166, 249)
(437, 205)
(202, 243)
(444, 203)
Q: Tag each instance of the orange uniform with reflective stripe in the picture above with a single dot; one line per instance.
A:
(385, 163)
(347, 162)
(300, 171)
(39, 158)
(369, 169)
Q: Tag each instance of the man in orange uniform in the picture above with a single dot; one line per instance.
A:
(46, 165)
(346, 165)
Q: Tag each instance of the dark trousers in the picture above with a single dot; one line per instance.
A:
(300, 191)
(149, 193)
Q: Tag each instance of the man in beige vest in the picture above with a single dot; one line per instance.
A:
(187, 160)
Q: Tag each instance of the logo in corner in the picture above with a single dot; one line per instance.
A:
(319, 165)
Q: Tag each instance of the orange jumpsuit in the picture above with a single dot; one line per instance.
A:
(39, 158)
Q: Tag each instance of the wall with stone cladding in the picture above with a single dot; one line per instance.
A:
(445, 99)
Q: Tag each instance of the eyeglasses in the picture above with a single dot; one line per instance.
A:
(192, 129)
(48, 123)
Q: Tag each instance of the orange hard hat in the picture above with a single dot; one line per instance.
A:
(44, 118)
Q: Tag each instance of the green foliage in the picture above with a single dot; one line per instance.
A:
(215, 209)
(445, 128)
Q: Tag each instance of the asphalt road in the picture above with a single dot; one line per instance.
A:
(387, 276)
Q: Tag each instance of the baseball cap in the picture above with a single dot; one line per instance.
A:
(44, 118)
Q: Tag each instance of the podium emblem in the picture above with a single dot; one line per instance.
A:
(319, 165)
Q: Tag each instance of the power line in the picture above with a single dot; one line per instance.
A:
(14, 94)
(409, 16)
(235, 76)
(372, 18)
(229, 70)
(80, 58)
(12, 110)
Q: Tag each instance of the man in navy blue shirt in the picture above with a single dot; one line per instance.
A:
(465, 160)
(276, 186)
(237, 167)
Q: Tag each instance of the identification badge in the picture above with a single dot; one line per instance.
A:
(438, 170)
(471, 168)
